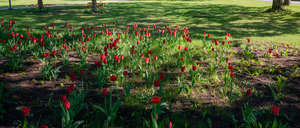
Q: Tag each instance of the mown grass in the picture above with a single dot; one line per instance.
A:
(242, 18)
(5, 3)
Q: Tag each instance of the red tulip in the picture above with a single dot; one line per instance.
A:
(82, 42)
(179, 47)
(270, 51)
(185, 48)
(249, 92)
(230, 67)
(277, 55)
(275, 110)
(132, 51)
(204, 33)
(26, 111)
(182, 69)
(137, 42)
(208, 35)
(105, 61)
(161, 76)
(213, 49)
(67, 105)
(216, 42)
(141, 37)
(13, 48)
(156, 99)
(98, 63)
(150, 52)
(54, 52)
(181, 58)
(156, 83)
(116, 57)
(70, 88)
(147, 60)
(122, 57)
(63, 98)
(155, 58)
(170, 124)
(21, 36)
(226, 38)
(125, 72)
(113, 78)
(249, 40)
(231, 74)
(173, 33)
(228, 34)
(45, 55)
(194, 68)
(104, 91)
(44, 126)
(72, 76)
(102, 57)
(82, 71)
(142, 55)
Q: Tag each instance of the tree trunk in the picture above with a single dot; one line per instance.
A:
(40, 4)
(277, 5)
(9, 4)
(94, 5)
(286, 2)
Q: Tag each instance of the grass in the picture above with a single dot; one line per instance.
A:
(242, 18)
(5, 3)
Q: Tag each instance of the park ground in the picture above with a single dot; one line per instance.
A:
(242, 18)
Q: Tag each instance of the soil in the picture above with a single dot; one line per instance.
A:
(36, 92)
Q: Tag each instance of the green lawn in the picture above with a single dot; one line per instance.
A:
(242, 18)
(5, 3)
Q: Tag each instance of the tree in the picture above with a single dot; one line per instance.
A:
(286, 2)
(277, 5)
(9, 4)
(40, 4)
(94, 5)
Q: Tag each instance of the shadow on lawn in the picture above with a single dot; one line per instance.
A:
(240, 21)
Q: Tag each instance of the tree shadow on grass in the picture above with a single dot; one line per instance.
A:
(240, 21)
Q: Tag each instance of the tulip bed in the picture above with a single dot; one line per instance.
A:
(143, 76)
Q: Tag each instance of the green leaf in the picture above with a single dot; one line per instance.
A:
(77, 123)
(101, 109)
(274, 123)
(116, 106)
